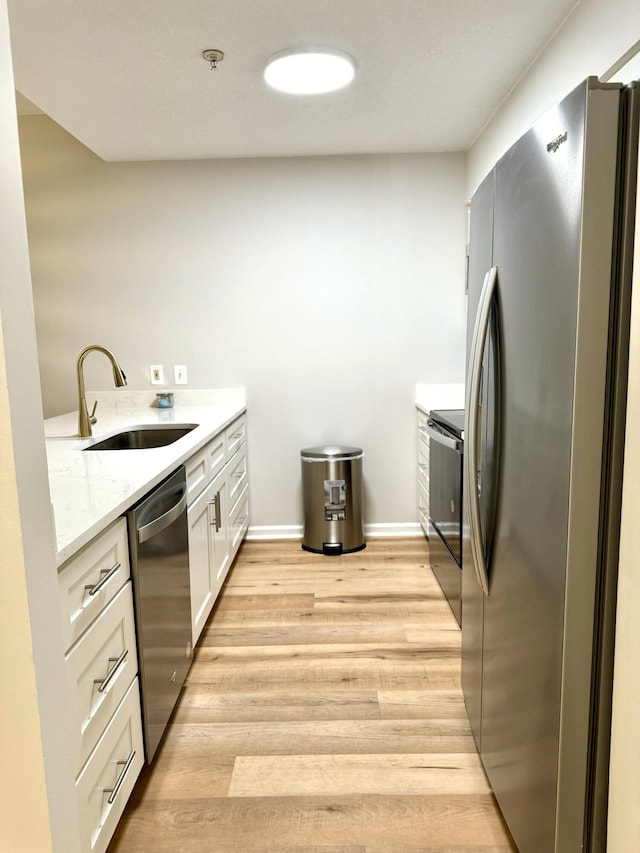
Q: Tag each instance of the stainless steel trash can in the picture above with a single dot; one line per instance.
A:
(332, 498)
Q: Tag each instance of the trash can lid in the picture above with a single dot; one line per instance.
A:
(331, 451)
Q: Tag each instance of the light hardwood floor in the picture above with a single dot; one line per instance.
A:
(323, 712)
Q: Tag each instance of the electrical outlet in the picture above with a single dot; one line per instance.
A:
(156, 372)
(180, 374)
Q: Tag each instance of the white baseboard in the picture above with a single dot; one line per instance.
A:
(395, 530)
(257, 532)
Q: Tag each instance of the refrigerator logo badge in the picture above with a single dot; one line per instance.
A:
(553, 146)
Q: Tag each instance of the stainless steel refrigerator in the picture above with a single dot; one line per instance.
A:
(548, 326)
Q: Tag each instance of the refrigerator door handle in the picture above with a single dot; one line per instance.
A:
(471, 432)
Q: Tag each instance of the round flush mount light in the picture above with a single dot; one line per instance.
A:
(309, 70)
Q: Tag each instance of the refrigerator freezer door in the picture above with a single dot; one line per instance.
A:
(536, 248)
(480, 261)
(541, 235)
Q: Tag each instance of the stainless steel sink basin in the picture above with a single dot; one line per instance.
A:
(143, 437)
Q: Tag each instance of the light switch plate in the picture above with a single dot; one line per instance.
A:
(156, 372)
(180, 374)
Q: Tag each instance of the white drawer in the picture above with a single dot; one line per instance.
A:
(100, 667)
(238, 522)
(423, 434)
(236, 434)
(203, 466)
(423, 508)
(90, 579)
(237, 476)
(423, 465)
(197, 473)
(216, 454)
(110, 774)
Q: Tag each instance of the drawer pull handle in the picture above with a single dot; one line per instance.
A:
(107, 574)
(237, 435)
(423, 467)
(239, 475)
(106, 681)
(216, 522)
(422, 428)
(113, 792)
(423, 512)
(241, 520)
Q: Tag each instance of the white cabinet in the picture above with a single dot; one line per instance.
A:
(96, 606)
(218, 516)
(91, 578)
(100, 670)
(208, 550)
(108, 777)
(423, 471)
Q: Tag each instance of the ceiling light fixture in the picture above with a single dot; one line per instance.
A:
(213, 57)
(309, 70)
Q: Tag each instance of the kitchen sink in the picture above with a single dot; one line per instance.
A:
(142, 437)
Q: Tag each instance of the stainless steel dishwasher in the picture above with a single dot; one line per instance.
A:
(158, 539)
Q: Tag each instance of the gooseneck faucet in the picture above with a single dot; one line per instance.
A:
(85, 420)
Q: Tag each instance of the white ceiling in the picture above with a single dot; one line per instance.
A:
(126, 77)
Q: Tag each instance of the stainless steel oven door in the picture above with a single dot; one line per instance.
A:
(445, 486)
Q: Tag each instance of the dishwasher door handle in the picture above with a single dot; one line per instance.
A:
(151, 528)
(448, 441)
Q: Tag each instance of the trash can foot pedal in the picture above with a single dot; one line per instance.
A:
(332, 549)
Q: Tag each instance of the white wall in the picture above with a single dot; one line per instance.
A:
(328, 287)
(37, 800)
(593, 38)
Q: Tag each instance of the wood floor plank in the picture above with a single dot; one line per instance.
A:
(230, 635)
(421, 704)
(275, 823)
(204, 703)
(291, 737)
(447, 848)
(317, 775)
(177, 774)
(442, 645)
(322, 714)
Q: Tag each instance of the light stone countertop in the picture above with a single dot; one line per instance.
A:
(89, 490)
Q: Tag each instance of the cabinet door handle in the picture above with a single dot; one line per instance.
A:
(113, 792)
(107, 574)
(106, 681)
(218, 512)
(212, 507)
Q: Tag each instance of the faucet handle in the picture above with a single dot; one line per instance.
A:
(92, 417)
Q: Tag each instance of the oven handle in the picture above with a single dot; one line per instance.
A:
(441, 438)
(471, 432)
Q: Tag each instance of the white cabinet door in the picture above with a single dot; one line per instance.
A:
(217, 516)
(220, 531)
(238, 522)
(200, 519)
